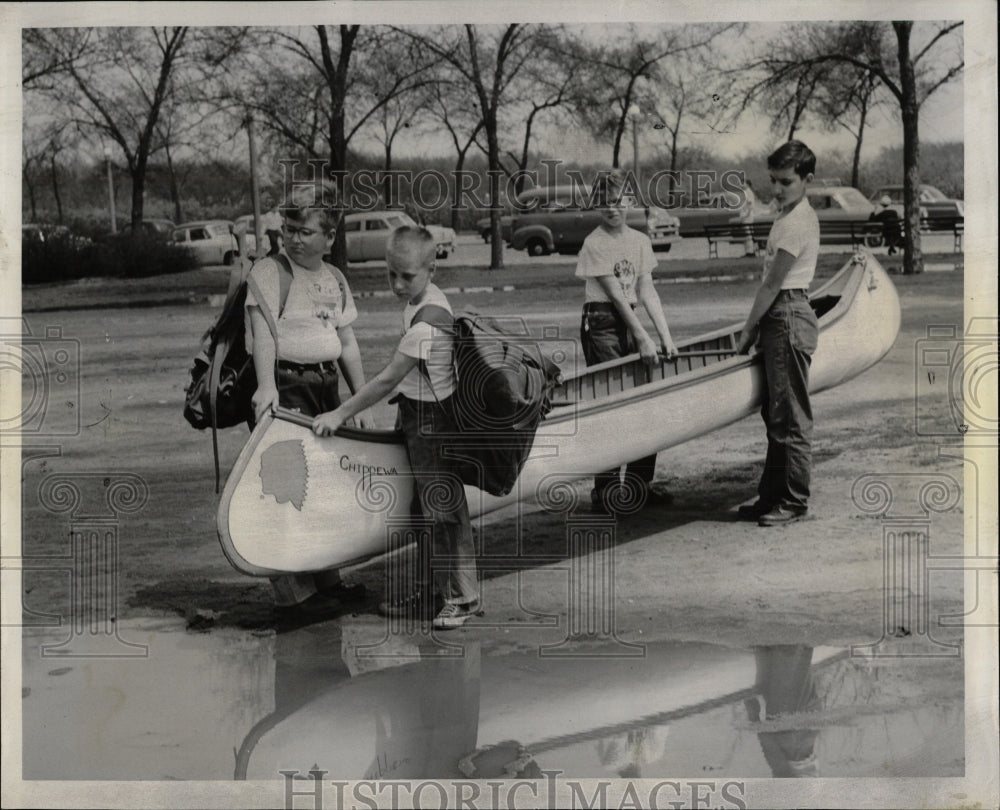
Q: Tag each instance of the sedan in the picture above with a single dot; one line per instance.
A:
(937, 211)
(211, 241)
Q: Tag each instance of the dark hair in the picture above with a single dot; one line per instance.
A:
(793, 155)
(315, 197)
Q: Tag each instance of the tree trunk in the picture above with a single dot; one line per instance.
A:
(387, 183)
(496, 238)
(856, 161)
(30, 185)
(913, 261)
(138, 192)
(175, 194)
(55, 188)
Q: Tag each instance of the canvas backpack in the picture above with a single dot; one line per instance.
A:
(503, 385)
(223, 377)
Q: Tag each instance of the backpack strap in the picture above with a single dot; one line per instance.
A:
(441, 318)
(215, 371)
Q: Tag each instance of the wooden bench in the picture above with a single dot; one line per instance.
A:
(859, 232)
(736, 232)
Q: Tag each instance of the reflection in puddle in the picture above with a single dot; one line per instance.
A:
(360, 705)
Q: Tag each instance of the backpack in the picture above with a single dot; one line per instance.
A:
(502, 392)
(223, 378)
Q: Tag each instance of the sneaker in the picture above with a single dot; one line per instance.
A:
(454, 615)
(418, 605)
(781, 515)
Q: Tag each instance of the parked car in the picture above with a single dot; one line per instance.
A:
(833, 204)
(154, 228)
(716, 209)
(368, 231)
(211, 241)
(445, 239)
(561, 222)
(484, 227)
(937, 211)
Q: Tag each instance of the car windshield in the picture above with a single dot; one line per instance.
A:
(852, 198)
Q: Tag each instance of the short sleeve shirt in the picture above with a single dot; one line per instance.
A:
(319, 304)
(797, 233)
(625, 255)
(434, 346)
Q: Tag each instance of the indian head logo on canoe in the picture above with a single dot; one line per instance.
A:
(283, 472)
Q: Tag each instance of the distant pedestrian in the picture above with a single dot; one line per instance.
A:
(891, 226)
(783, 324)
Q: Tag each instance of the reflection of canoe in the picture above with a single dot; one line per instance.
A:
(420, 715)
(295, 502)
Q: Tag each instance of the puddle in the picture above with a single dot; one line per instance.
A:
(362, 705)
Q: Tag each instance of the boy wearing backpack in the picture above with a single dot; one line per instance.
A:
(314, 337)
(422, 373)
(617, 262)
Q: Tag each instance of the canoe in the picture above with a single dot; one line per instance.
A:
(296, 502)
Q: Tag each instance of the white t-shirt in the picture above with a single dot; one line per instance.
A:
(432, 345)
(626, 256)
(319, 303)
(797, 233)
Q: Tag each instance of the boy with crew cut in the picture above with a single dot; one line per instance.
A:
(785, 327)
(421, 372)
(616, 263)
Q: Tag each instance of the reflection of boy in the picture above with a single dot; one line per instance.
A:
(784, 686)
(314, 337)
(616, 263)
(788, 333)
(426, 421)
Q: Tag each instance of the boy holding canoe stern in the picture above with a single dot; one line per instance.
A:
(421, 373)
(784, 326)
(617, 263)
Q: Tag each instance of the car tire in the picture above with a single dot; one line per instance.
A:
(537, 247)
(229, 258)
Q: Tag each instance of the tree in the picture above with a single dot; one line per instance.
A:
(908, 71)
(118, 87)
(488, 58)
(613, 81)
(316, 89)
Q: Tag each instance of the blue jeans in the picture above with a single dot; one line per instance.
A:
(439, 496)
(605, 336)
(788, 335)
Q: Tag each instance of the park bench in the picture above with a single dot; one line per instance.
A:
(736, 232)
(858, 232)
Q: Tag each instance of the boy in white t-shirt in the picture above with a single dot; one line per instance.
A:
(421, 373)
(788, 333)
(617, 262)
(315, 337)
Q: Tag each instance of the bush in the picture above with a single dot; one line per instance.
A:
(66, 258)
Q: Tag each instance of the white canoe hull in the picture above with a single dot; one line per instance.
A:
(295, 502)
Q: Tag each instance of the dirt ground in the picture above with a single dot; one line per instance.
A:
(690, 571)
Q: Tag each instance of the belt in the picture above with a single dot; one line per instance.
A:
(602, 306)
(794, 293)
(326, 365)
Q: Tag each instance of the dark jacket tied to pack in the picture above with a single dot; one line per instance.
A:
(503, 389)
